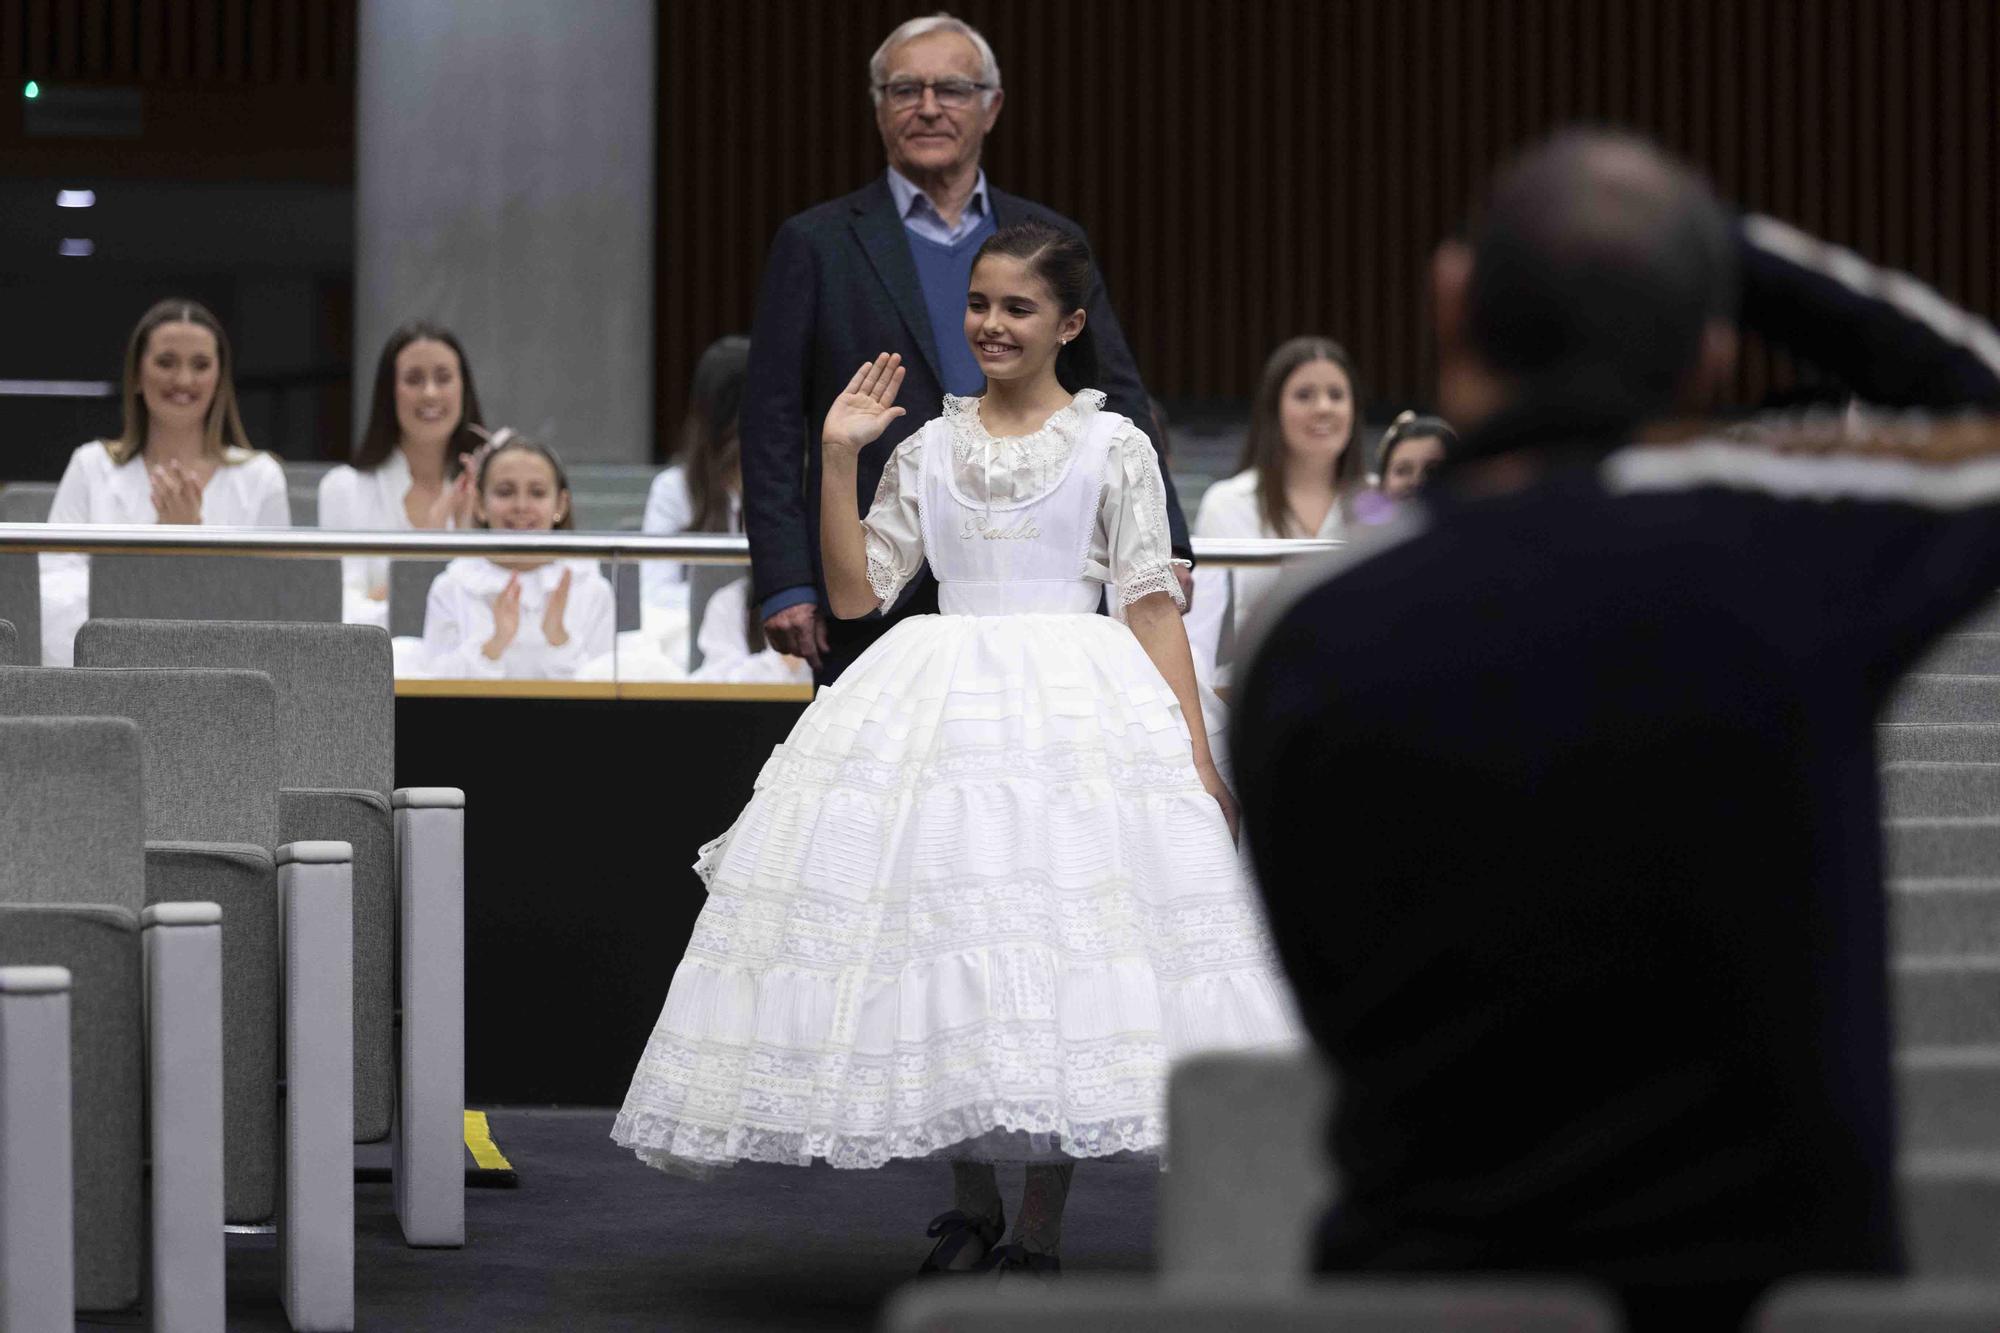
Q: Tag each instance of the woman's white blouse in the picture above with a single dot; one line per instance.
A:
(248, 492)
(372, 501)
(1225, 596)
(670, 512)
(725, 645)
(1130, 548)
(458, 620)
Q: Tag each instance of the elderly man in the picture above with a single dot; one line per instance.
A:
(885, 269)
(1602, 973)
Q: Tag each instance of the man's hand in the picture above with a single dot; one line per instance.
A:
(1186, 577)
(799, 631)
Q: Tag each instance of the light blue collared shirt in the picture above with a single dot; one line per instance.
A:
(920, 215)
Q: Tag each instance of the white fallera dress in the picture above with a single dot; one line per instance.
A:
(979, 900)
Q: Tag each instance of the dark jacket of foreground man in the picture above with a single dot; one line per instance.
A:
(1564, 804)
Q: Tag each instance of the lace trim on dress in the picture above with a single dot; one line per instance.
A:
(1152, 579)
(698, 1150)
(884, 579)
(1044, 452)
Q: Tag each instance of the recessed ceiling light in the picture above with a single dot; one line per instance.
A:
(76, 247)
(75, 198)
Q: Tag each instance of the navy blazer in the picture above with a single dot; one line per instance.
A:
(839, 288)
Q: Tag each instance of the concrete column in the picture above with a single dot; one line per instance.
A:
(504, 185)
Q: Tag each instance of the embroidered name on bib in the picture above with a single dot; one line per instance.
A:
(984, 530)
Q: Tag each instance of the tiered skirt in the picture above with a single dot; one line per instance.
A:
(977, 904)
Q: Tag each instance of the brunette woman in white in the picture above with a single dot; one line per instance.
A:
(1300, 471)
(182, 457)
(703, 490)
(518, 617)
(410, 468)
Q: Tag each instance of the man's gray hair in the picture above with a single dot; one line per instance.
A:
(878, 64)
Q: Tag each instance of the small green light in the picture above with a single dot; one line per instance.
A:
(33, 90)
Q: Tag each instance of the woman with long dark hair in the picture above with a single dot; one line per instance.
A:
(1299, 472)
(703, 489)
(181, 456)
(409, 469)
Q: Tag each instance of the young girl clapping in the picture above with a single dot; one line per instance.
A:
(518, 617)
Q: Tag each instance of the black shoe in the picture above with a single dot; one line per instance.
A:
(1015, 1264)
(955, 1231)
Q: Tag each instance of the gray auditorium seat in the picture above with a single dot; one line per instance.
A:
(1951, 1213)
(10, 644)
(1949, 1099)
(146, 1000)
(21, 603)
(623, 576)
(1917, 788)
(37, 1227)
(608, 511)
(1945, 916)
(27, 501)
(1931, 847)
(1939, 700)
(1964, 655)
(409, 593)
(1250, 1176)
(1947, 1001)
(1140, 1305)
(1829, 1305)
(172, 587)
(1948, 744)
(335, 688)
(210, 756)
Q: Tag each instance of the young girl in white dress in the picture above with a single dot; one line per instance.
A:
(182, 457)
(517, 617)
(987, 890)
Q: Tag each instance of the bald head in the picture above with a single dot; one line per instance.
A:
(1597, 266)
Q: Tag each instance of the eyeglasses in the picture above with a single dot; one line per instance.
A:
(952, 94)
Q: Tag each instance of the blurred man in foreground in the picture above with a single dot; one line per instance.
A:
(1602, 974)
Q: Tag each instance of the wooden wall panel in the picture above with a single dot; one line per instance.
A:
(1258, 169)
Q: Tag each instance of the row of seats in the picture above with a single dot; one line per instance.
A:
(257, 588)
(1250, 1174)
(607, 497)
(227, 783)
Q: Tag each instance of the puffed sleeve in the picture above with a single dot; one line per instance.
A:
(1137, 549)
(271, 501)
(893, 531)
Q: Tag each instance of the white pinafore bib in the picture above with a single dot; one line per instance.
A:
(1024, 557)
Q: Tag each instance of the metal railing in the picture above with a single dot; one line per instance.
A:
(308, 543)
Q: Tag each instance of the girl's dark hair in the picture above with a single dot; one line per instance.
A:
(1264, 446)
(222, 429)
(379, 439)
(1410, 426)
(1062, 261)
(708, 448)
(505, 441)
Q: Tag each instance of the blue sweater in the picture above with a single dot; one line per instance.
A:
(945, 272)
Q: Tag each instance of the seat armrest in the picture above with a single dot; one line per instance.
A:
(428, 798)
(430, 1122)
(37, 1237)
(182, 946)
(316, 1218)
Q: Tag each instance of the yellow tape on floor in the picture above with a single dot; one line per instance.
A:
(479, 1142)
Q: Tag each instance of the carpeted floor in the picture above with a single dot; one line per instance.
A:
(592, 1240)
